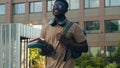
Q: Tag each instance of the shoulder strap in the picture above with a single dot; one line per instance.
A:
(67, 28)
(64, 33)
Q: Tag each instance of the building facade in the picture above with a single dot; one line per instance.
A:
(99, 18)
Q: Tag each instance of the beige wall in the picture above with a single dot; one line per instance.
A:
(91, 12)
(35, 16)
(112, 11)
(93, 37)
(18, 18)
(112, 36)
(2, 18)
(73, 14)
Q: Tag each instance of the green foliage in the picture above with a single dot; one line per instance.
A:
(34, 57)
(100, 61)
(111, 65)
(87, 61)
(33, 54)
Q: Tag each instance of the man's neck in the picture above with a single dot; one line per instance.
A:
(61, 18)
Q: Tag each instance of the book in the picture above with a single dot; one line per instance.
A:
(36, 43)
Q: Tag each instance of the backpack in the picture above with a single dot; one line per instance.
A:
(74, 54)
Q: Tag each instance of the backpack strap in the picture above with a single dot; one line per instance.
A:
(67, 28)
(64, 33)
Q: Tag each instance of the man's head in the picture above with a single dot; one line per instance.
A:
(60, 7)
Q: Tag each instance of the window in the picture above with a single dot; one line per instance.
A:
(19, 8)
(50, 5)
(35, 7)
(110, 49)
(92, 3)
(112, 26)
(92, 26)
(74, 4)
(112, 3)
(2, 9)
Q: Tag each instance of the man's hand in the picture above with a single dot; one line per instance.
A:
(47, 50)
(65, 41)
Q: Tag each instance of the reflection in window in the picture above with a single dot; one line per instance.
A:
(92, 26)
(19, 8)
(35, 7)
(92, 3)
(2, 9)
(50, 5)
(112, 26)
(112, 2)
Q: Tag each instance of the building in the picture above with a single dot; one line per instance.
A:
(99, 18)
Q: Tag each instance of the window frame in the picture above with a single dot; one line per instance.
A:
(33, 10)
(91, 30)
(4, 11)
(18, 9)
(110, 4)
(111, 31)
(89, 5)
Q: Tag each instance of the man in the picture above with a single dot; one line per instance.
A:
(52, 34)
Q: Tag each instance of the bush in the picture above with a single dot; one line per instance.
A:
(111, 65)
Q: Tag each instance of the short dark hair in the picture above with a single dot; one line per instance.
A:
(65, 2)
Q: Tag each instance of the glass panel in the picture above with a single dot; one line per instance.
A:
(92, 26)
(107, 2)
(94, 3)
(115, 2)
(31, 7)
(2, 9)
(50, 5)
(110, 50)
(94, 51)
(19, 8)
(86, 3)
(36, 7)
(75, 4)
(112, 26)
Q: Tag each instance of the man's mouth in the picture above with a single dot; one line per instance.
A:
(56, 11)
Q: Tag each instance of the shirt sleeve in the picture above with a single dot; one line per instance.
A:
(78, 34)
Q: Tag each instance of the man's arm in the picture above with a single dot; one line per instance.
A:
(82, 46)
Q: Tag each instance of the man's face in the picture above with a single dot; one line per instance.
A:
(59, 8)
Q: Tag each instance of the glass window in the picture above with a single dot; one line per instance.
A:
(112, 2)
(50, 5)
(74, 4)
(94, 51)
(112, 26)
(92, 3)
(2, 9)
(35, 7)
(19, 8)
(91, 26)
(110, 49)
